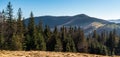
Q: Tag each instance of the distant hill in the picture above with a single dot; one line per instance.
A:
(109, 27)
(77, 20)
(115, 21)
(87, 23)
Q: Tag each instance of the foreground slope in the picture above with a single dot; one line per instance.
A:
(46, 54)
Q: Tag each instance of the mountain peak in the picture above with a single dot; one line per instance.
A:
(82, 15)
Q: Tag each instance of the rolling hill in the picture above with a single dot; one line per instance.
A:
(77, 20)
(87, 23)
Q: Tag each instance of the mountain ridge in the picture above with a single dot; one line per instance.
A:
(80, 20)
(76, 20)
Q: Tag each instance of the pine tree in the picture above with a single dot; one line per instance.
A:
(40, 26)
(9, 29)
(19, 31)
(95, 35)
(4, 16)
(81, 42)
(47, 33)
(27, 41)
(2, 31)
(58, 43)
(70, 46)
(32, 32)
(118, 48)
(9, 12)
(63, 37)
(102, 38)
(16, 42)
(2, 40)
(19, 23)
(40, 41)
(111, 42)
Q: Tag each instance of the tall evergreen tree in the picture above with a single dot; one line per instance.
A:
(19, 31)
(9, 12)
(111, 42)
(16, 43)
(81, 42)
(31, 32)
(2, 30)
(95, 35)
(47, 33)
(40, 41)
(70, 46)
(10, 29)
(58, 43)
(118, 48)
(63, 37)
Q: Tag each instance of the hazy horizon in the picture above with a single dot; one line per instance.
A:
(103, 9)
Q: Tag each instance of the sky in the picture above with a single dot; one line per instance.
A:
(104, 9)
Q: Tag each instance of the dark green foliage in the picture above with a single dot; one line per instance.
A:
(10, 27)
(32, 33)
(40, 42)
(70, 46)
(112, 42)
(95, 35)
(9, 12)
(2, 41)
(47, 33)
(16, 42)
(58, 43)
(117, 51)
(27, 43)
(81, 42)
(97, 48)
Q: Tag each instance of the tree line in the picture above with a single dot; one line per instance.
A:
(16, 35)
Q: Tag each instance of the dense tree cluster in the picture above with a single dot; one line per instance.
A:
(15, 35)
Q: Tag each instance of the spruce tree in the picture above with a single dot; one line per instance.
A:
(40, 41)
(2, 31)
(95, 35)
(111, 42)
(2, 40)
(118, 48)
(58, 43)
(63, 37)
(70, 46)
(81, 42)
(19, 31)
(32, 32)
(16, 42)
(47, 33)
(9, 29)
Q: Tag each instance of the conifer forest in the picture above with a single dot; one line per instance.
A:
(15, 34)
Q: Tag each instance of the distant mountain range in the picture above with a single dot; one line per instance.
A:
(77, 20)
(115, 21)
(84, 21)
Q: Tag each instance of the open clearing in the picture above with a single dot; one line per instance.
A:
(46, 54)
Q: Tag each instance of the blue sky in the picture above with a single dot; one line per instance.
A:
(104, 9)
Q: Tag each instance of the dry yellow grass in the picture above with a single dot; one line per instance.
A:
(45, 54)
